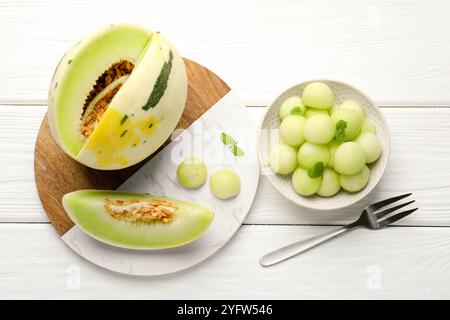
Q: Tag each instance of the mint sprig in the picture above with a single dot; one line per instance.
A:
(227, 139)
(232, 143)
(340, 135)
(297, 110)
(238, 152)
(317, 170)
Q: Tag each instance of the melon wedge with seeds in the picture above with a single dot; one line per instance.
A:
(116, 96)
(137, 221)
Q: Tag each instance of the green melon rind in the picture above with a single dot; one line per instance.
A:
(131, 100)
(77, 72)
(86, 209)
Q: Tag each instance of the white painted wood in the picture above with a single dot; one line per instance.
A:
(392, 263)
(19, 126)
(420, 152)
(396, 51)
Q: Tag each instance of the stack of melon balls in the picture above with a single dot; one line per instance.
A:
(324, 146)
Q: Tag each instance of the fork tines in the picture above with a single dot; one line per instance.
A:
(377, 205)
(383, 218)
(396, 217)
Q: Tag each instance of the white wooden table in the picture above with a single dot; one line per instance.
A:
(397, 52)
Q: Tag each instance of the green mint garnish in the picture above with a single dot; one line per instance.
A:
(124, 118)
(340, 136)
(123, 133)
(316, 171)
(230, 141)
(227, 139)
(238, 152)
(297, 110)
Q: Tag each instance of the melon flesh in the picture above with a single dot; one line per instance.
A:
(98, 214)
(138, 118)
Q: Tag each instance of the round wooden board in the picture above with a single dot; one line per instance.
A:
(57, 174)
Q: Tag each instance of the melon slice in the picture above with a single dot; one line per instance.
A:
(136, 221)
(116, 96)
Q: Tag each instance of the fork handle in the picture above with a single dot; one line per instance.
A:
(296, 248)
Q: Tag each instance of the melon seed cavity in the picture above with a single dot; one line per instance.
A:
(91, 114)
(140, 210)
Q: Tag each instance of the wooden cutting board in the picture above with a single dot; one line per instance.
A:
(57, 173)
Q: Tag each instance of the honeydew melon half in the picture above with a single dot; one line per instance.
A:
(116, 96)
(136, 221)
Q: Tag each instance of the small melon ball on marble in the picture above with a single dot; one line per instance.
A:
(192, 173)
(314, 112)
(351, 118)
(368, 126)
(283, 159)
(289, 104)
(353, 105)
(330, 183)
(349, 158)
(225, 183)
(332, 146)
(319, 129)
(309, 154)
(303, 184)
(371, 145)
(291, 130)
(356, 182)
(318, 95)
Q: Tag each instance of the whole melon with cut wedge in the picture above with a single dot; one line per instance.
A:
(136, 221)
(116, 96)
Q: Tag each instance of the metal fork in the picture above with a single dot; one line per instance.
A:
(371, 218)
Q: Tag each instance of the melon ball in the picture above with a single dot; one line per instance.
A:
(356, 182)
(225, 183)
(289, 104)
(319, 129)
(318, 95)
(332, 146)
(353, 120)
(353, 105)
(314, 112)
(371, 145)
(334, 108)
(191, 173)
(330, 183)
(303, 184)
(309, 154)
(349, 158)
(291, 130)
(368, 126)
(283, 159)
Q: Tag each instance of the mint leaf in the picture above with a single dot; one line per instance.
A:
(316, 171)
(340, 136)
(238, 152)
(226, 139)
(297, 110)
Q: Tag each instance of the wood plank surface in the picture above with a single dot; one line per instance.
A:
(391, 263)
(420, 153)
(395, 51)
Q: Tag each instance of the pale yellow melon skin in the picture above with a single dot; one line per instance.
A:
(116, 145)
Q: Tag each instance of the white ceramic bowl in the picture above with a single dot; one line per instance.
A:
(268, 135)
